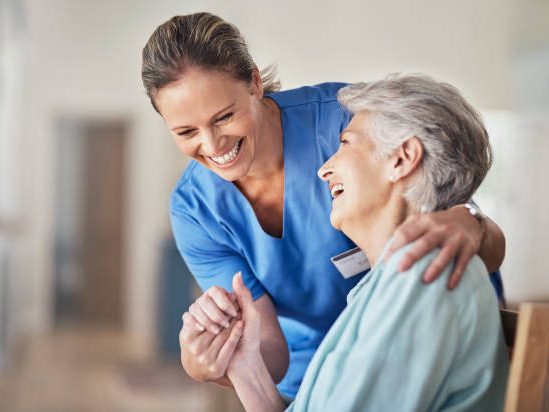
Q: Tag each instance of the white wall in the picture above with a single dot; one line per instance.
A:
(84, 58)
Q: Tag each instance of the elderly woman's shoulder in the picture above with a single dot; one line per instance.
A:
(475, 282)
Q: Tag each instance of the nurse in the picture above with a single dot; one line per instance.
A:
(250, 201)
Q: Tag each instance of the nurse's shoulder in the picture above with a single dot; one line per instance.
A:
(319, 93)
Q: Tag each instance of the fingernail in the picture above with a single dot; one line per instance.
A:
(225, 324)
(215, 329)
(200, 328)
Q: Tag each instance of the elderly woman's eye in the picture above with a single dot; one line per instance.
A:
(224, 118)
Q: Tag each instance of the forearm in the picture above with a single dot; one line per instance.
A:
(492, 248)
(255, 387)
(276, 357)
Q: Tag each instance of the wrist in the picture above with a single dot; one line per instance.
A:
(249, 366)
(255, 387)
(480, 217)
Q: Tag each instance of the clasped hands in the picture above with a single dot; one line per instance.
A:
(221, 330)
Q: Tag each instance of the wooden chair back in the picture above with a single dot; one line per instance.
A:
(528, 384)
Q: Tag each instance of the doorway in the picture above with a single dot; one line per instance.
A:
(89, 222)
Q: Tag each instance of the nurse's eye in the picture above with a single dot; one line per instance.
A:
(186, 133)
(226, 117)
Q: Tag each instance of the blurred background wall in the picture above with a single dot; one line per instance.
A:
(71, 73)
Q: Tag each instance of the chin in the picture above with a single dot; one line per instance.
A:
(335, 221)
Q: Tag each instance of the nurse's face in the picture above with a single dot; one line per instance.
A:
(214, 119)
(357, 179)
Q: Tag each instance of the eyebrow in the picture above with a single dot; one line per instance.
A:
(214, 116)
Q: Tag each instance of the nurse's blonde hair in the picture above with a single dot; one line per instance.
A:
(198, 40)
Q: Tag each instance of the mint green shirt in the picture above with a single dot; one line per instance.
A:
(401, 345)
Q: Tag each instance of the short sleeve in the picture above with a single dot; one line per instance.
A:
(211, 263)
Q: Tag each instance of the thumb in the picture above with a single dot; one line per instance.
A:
(242, 293)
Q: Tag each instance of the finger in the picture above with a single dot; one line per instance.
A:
(227, 350)
(234, 299)
(462, 261)
(208, 354)
(420, 248)
(192, 341)
(407, 232)
(219, 341)
(190, 323)
(242, 292)
(222, 299)
(212, 311)
(441, 261)
(203, 319)
(197, 345)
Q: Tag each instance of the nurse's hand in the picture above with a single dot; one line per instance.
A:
(455, 231)
(206, 355)
(214, 310)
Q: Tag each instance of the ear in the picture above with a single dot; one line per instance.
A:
(257, 83)
(406, 159)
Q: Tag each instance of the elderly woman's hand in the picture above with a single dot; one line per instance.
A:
(455, 231)
(247, 353)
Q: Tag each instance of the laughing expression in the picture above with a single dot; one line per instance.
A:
(214, 119)
(356, 178)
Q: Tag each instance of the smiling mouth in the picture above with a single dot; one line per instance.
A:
(229, 156)
(336, 190)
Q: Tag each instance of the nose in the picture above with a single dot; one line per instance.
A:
(211, 143)
(325, 171)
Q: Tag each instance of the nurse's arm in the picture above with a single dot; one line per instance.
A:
(204, 358)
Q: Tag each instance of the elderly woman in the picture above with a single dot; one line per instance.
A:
(413, 145)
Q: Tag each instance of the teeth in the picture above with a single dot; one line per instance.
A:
(229, 156)
(337, 190)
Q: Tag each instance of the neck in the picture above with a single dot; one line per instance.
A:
(372, 232)
(269, 157)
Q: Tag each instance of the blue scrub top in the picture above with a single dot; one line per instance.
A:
(218, 234)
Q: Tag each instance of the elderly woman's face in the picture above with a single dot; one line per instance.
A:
(214, 119)
(358, 181)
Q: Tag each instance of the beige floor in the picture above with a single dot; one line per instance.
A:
(89, 371)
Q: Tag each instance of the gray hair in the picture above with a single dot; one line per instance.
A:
(457, 153)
